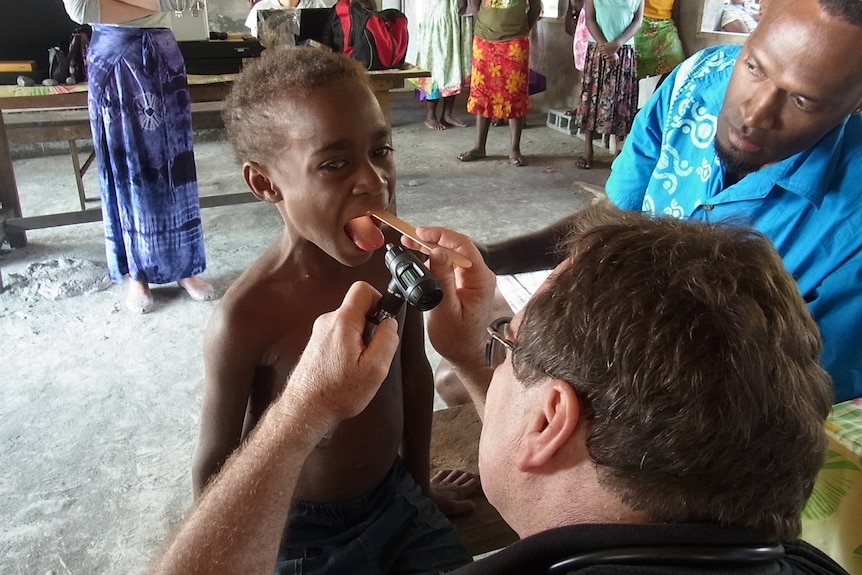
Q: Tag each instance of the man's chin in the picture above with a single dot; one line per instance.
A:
(733, 162)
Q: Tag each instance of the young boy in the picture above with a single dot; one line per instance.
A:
(313, 142)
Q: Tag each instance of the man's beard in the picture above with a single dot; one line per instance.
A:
(735, 168)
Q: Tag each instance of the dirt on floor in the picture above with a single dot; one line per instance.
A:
(99, 407)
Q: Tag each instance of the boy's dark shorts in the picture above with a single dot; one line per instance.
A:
(392, 529)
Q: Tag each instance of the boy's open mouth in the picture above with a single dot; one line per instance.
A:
(365, 233)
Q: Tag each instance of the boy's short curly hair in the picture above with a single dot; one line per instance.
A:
(252, 110)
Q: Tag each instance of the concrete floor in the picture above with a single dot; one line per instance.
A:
(99, 408)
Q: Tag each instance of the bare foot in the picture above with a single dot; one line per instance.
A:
(516, 159)
(197, 288)
(434, 124)
(471, 155)
(450, 489)
(584, 163)
(453, 121)
(139, 298)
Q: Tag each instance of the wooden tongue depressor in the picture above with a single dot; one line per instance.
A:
(406, 229)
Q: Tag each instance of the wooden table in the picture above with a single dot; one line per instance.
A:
(68, 104)
(384, 81)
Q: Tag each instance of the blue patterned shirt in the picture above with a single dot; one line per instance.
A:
(809, 205)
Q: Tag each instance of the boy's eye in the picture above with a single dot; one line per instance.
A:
(383, 151)
(333, 165)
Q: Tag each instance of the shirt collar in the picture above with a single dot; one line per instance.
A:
(810, 174)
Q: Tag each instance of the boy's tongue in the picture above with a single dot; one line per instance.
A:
(364, 233)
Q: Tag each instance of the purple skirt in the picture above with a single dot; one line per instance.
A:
(140, 115)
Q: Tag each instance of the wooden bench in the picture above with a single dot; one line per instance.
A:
(455, 445)
(72, 124)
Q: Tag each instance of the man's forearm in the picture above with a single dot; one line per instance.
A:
(735, 26)
(531, 252)
(238, 524)
(119, 11)
(159, 5)
(246, 505)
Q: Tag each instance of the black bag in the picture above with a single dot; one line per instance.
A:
(78, 45)
(58, 65)
(377, 39)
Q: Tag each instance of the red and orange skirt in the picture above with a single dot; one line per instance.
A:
(499, 84)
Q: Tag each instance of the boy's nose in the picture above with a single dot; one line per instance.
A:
(373, 181)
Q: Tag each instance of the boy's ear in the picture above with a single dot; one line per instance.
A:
(260, 184)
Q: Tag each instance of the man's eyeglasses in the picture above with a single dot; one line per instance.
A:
(499, 342)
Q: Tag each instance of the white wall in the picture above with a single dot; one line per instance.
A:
(414, 10)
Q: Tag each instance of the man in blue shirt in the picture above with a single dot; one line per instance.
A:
(766, 135)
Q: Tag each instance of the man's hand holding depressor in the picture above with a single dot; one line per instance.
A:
(456, 327)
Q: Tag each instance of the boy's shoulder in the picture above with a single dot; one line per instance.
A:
(269, 288)
(260, 317)
(259, 290)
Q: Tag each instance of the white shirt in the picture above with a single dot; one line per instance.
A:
(251, 21)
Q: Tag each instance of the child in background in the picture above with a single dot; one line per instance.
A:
(445, 35)
(362, 499)
(499, 78)
(737, 17)
(608, 101)
(576, 26)
(657, 43)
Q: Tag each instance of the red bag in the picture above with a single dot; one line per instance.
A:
(377, 39)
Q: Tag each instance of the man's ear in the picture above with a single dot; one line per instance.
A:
(260, 184)
(551, 425)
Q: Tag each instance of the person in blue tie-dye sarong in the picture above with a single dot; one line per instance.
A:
(140, 115)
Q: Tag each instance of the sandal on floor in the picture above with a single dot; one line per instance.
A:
(583, 164)
(470, 156)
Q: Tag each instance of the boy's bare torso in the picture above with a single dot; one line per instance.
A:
(263, 324)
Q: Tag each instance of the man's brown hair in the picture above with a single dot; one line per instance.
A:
(697, 361)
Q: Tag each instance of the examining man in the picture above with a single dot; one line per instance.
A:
(635, 412)
(766, 135)
(737, 18)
